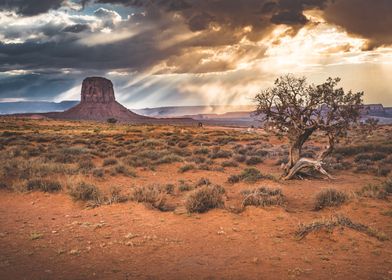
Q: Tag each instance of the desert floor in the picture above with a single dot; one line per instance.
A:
(53, 235)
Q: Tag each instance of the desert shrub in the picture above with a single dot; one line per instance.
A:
(367, 148)
(109, 161)
(184, 186)
(262, 197)
(43, 185)
(203, 182)
(373, 191)
(249, 175)
(3, 186)
(337, 221)
(330, 198)
(254, 160)
(197, 159)
(86, 192)
(224, 140)
(169, 188)
(169, 159)
(122, 169)
(182, 152)
(111, 120)
(115, 196)
(377, 156)
(136, 161)
(220, 154)
(234, 179)
(383, 171)
(153, 195)
(204, 166)
(151, 143)
(98, 172)
(229, 163)
(85, 165)
(203, 199)
(151, 154)
(240, 158)
(364, 167)
(186, 167)
(201, 151)
(182, 144)
(387, 186)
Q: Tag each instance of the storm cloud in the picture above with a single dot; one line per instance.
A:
(56, 42)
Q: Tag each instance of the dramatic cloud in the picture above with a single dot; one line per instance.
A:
(371, 20)
(185, 51)
(30, 7)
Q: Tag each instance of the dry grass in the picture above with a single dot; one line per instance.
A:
(86, 192)
(153, 195)
(330, 198)
(204, 199)
(262, 197)
(337, 221)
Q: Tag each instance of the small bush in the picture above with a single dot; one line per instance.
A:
(240, 158)
(3, 186)
(109, 161)
(186, 168)
(183, 144)
(86, 165)
(98, 172)
(221, 154)
(203, 182)
(169, 159)
(330, 198)
(203, 199)
(43, 185)
(169, 188)
(249, 175)
(201, 151)
(262, 197)
(254, 160)
(184, 187)
(381, 191)
(154, 195)
(111, 120)
(86, 192)
(115, 196)
(122, 169)
(234, 179)
(229, 164)
(383, 171)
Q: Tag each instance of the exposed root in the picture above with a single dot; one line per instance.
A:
(307, 163)
(335, 221)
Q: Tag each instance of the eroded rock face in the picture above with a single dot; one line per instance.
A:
(97, 90)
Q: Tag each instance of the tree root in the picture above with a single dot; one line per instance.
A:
(307, 163)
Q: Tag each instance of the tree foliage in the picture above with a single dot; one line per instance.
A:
(296, 109)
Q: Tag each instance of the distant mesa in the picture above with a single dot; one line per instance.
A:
(98, 103)
(97, 90)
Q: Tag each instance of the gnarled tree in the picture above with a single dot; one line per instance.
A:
(297, 109)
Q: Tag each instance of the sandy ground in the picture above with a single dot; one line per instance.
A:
(130, 241)
(49, 236)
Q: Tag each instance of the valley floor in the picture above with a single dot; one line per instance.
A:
(51, 236)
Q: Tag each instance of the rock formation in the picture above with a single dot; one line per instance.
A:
(97, 90)
(99, 103)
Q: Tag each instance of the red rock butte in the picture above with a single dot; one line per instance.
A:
(98, 103)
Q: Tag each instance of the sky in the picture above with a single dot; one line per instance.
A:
(192, 52)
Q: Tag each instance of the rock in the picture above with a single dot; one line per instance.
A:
(97, 90)
(98, 103)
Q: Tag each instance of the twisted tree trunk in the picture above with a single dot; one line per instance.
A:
(302, 163)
